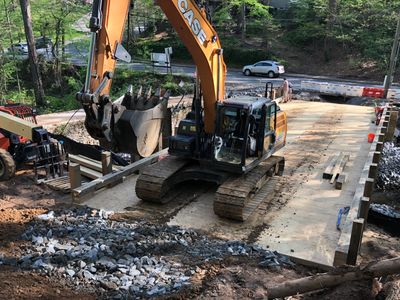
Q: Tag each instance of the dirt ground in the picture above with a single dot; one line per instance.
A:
(234, 278)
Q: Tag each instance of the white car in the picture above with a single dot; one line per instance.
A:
(19, 48)
(268, 67)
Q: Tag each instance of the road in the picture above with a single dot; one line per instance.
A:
(77, 52)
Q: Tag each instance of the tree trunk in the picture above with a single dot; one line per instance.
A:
(11, 43)
(328, 42)
(243, 21)
(36, 78)
(327, 280)
(63, 43)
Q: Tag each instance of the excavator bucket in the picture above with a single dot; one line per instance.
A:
(133, 123)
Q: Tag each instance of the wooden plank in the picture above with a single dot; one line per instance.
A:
(96, 166)
(109, 179)
(339, 167)
(355, 241)
(92, 174)
(90, 163)
(328, 171)
(342, 179)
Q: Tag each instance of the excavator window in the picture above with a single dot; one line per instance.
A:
(231, 135)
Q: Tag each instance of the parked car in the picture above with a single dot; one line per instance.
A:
(19, 48)
(268, 67)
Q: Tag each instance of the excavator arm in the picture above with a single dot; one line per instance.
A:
(132, 123)
(201, 40)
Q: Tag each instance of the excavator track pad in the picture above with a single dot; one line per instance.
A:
(236, 198)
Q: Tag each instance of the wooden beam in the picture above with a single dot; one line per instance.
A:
(106, 163)
(339, 167)
(89, 173)
(355, 241)
(376, 158)
(96, 166)
(392, 125)
(379, 147)
(110, 179)
(329, 169)
(342, 179)
(373, 171)
(75, 179)
(369, 187)
(334, 278)
(364, 208)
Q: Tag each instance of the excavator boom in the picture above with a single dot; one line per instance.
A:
(201, 40)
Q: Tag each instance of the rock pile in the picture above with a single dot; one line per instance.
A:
(389, 169)
(126, 260)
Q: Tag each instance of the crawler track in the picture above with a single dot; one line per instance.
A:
(236, 198)
(156, 180)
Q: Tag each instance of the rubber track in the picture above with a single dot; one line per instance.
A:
(238, 197)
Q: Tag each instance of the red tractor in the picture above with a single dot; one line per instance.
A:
(23, 142)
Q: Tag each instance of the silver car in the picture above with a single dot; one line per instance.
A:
(268, 67)
(19, 48)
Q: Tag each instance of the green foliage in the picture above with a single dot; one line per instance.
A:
(227, 13)
(125, 77)
(366, 27)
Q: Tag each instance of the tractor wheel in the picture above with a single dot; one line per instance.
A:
(7, 165)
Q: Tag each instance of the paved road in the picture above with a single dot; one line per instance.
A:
(236, 79)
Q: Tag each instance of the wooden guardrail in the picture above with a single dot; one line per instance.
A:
(351, 236)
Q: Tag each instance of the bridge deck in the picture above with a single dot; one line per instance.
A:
(298, 217)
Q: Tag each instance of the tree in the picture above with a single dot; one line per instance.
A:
(331, 19)
(33, 59)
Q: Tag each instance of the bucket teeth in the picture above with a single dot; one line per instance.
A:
(129, 91)
(158, 92)
(166, 95)
(140, 91)
(149, 92)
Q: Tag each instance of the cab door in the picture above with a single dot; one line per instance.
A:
(269, 129)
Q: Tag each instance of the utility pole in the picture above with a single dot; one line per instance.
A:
(393, 60)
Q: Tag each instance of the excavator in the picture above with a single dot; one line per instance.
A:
(227, 141)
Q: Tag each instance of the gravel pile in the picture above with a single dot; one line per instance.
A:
(389, 169)
(125, 260)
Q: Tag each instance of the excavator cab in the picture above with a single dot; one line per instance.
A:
(245, 133)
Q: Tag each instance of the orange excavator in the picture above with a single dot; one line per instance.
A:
(230, 142)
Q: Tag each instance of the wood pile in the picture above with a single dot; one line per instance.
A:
(335, 170)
